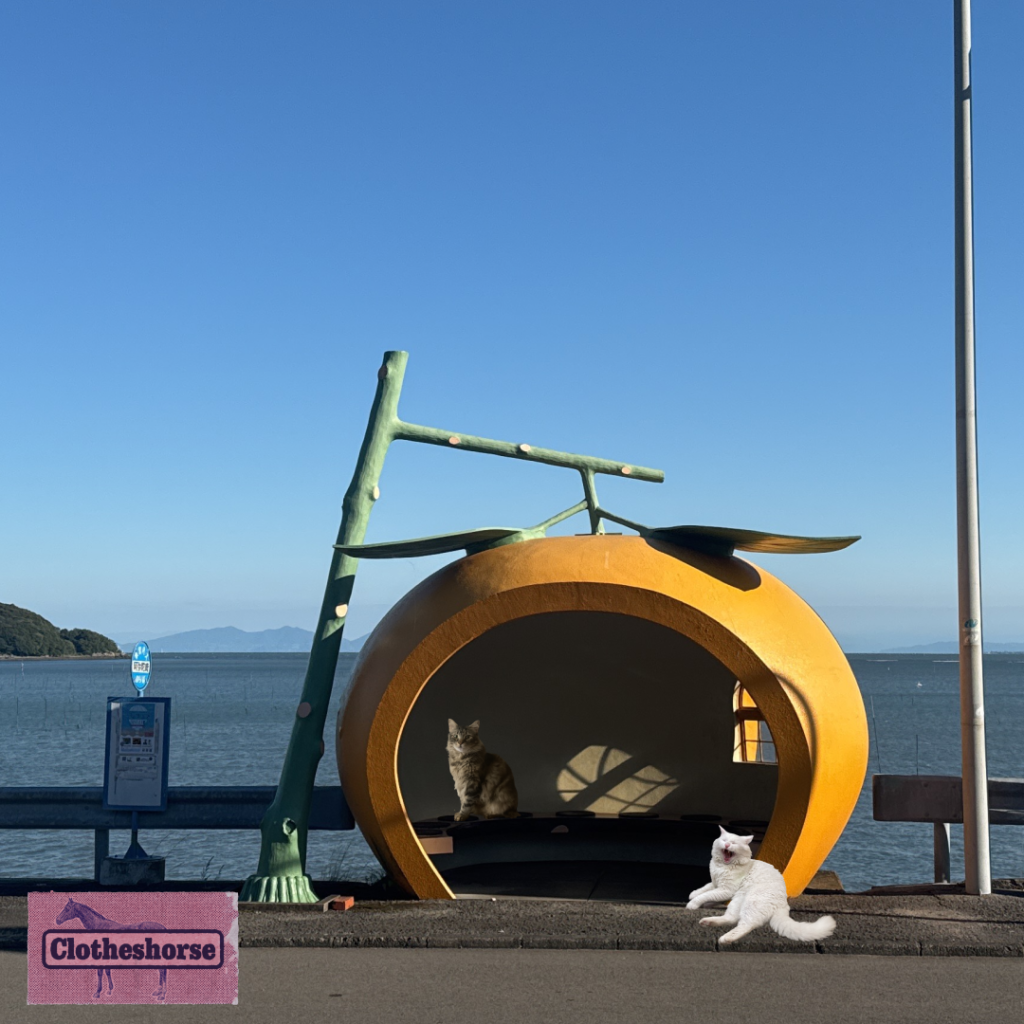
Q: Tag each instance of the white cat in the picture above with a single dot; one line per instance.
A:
(756, 894)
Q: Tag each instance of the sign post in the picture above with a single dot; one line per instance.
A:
(135, 768)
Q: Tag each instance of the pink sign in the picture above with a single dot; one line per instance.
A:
(132, 947)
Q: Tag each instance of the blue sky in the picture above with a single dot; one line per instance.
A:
(715, 239)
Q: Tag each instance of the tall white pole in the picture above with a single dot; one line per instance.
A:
(978, 874)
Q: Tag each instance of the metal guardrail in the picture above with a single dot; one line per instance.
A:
(939, 799)
(188, 807)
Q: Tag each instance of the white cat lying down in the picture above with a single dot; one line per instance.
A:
(756, 894)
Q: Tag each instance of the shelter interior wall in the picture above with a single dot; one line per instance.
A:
(591, 710)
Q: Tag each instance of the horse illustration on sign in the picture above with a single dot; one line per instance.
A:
(94, 921)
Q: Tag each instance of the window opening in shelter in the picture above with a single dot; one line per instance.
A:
(754, 743)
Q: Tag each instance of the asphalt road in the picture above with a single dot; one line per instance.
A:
(499, 986)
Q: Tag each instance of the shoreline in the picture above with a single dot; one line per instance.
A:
(65, 657)
(887, 655)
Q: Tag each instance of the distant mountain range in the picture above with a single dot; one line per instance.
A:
(230, 640)
(952, 647)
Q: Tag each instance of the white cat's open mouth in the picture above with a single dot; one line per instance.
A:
(727, 855)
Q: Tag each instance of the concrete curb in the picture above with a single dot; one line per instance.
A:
(682, 946)
(16, 940)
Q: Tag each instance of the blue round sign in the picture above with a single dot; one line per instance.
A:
(142, 666)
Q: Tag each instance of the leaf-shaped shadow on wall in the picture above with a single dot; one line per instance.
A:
(607, 780)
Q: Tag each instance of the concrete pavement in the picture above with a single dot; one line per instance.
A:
(495, 986)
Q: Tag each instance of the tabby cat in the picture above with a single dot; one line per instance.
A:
(483, 781)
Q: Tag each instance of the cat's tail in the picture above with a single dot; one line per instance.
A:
(802, 931)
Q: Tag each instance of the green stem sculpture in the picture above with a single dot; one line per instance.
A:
(281, 875)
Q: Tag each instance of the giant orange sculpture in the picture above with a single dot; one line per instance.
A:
(776, 646)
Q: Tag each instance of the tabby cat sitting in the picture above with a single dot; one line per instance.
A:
(483, 781)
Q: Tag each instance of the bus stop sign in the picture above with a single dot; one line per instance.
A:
(142, 666)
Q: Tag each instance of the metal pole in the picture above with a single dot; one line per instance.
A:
(101, 850)
(940, 842)
(977, 867)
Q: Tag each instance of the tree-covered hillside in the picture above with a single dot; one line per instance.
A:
(88, 642)
(28, 635)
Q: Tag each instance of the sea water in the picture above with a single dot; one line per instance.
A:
(231, 719)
